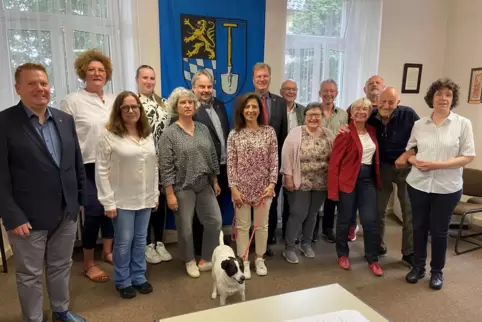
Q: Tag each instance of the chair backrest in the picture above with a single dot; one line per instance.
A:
(472, 182)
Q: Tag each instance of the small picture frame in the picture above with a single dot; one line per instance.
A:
(475, 88)
(412, 76)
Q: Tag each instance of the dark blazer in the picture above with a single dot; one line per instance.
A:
(345, 161)
(300, 113)
(203, 117)
(32, 187)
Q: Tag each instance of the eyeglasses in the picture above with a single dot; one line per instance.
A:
(127, 108)
(315, 115)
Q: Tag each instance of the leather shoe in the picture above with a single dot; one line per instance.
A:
(414, 275)
(436, 281)
(67, 317)
(127, 292)
(144, 288)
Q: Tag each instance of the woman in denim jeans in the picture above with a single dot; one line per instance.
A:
(353, 175)
(127, 183)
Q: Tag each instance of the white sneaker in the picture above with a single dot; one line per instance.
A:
(247, 270)
(152, 257)
(192, 269)
(261, 269)
(205, 266)
(162, 251)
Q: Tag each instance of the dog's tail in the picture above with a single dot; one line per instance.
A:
(221, 237)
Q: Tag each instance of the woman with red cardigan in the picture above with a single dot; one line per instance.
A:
(353, 175)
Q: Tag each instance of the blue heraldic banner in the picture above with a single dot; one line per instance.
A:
(226, 37)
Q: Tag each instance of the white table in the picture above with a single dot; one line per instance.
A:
(285, 307)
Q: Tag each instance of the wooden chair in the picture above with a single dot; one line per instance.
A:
(473, 188)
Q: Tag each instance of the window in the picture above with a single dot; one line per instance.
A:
(54, 33)
(315, 45)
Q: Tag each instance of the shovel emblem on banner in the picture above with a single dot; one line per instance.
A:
(229, 81)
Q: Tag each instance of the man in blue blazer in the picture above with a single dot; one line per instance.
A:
(41, 192)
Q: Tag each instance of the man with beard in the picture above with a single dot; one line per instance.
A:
(211, 113)
(332, 118)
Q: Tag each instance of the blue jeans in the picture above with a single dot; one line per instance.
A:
(364, 197)
(129, 259)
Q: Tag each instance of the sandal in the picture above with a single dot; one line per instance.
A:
(100, 277)
(107, 257)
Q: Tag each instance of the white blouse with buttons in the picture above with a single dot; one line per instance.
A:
(126, 172)
(453, 138)
(90, 116)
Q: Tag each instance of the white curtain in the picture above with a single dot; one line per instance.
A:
(362, 46)
(55, 32)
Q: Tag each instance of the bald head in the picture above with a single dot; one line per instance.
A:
(289, 91)
(388, 102)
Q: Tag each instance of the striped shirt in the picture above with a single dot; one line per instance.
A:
(450, 140)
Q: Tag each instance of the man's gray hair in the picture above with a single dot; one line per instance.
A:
(199, 73)
(176, 94)
(328, 81)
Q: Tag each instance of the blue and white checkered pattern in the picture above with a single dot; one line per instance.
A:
(192, 65)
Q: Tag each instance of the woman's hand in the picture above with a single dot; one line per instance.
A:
(111, 213)
(172, 202)
(268, 192)
(426, 166)
(288, 183)
(217, 189)
(156, 205)
(237, 197)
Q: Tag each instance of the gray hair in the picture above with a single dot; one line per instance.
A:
(202, 72)
(361, 103)
(311, 106)
(328, 81)
(176, 94)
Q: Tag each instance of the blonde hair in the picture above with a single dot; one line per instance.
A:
(361, 103)
(261, 66)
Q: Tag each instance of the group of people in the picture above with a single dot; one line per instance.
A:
(120, 160)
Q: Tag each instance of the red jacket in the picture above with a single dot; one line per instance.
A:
(345, 161)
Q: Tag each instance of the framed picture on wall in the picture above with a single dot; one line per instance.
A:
(412, 76)
(475, 88)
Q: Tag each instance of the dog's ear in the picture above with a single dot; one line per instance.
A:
(225, 264)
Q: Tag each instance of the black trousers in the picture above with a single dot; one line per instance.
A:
(431, 212)
(286, 211)
(157, 222)
(197, 227)
(273, 214)
(94, 218)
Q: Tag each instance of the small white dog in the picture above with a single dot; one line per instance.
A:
(228, 272)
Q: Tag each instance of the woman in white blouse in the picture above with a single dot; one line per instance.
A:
(90, 109)
(159, 119)
(126, 175)
(445, 144)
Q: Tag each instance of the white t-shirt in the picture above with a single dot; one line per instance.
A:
(368, 148)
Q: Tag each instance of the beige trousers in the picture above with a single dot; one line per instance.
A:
(243, 225)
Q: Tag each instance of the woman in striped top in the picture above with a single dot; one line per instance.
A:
(445, 144)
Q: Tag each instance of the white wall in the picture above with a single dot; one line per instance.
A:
(413, 31)
(275, 35)
(463, 52)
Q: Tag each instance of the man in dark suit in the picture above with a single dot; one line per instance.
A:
(211, 113)
(275, 109)
(41, 191)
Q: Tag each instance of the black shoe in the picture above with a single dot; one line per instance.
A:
(408, 259)
(329, 237)
(297, 242)
(144, 288)
(382, 252)
(414, 275)
(68, 316)
(127, 292)
(269, 251)
(436, 281)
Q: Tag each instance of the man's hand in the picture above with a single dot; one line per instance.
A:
(217, 189)
(401, 162)
(22, 230)
(288, 183)
(343, 129)
(172, 202)
(111, 213)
